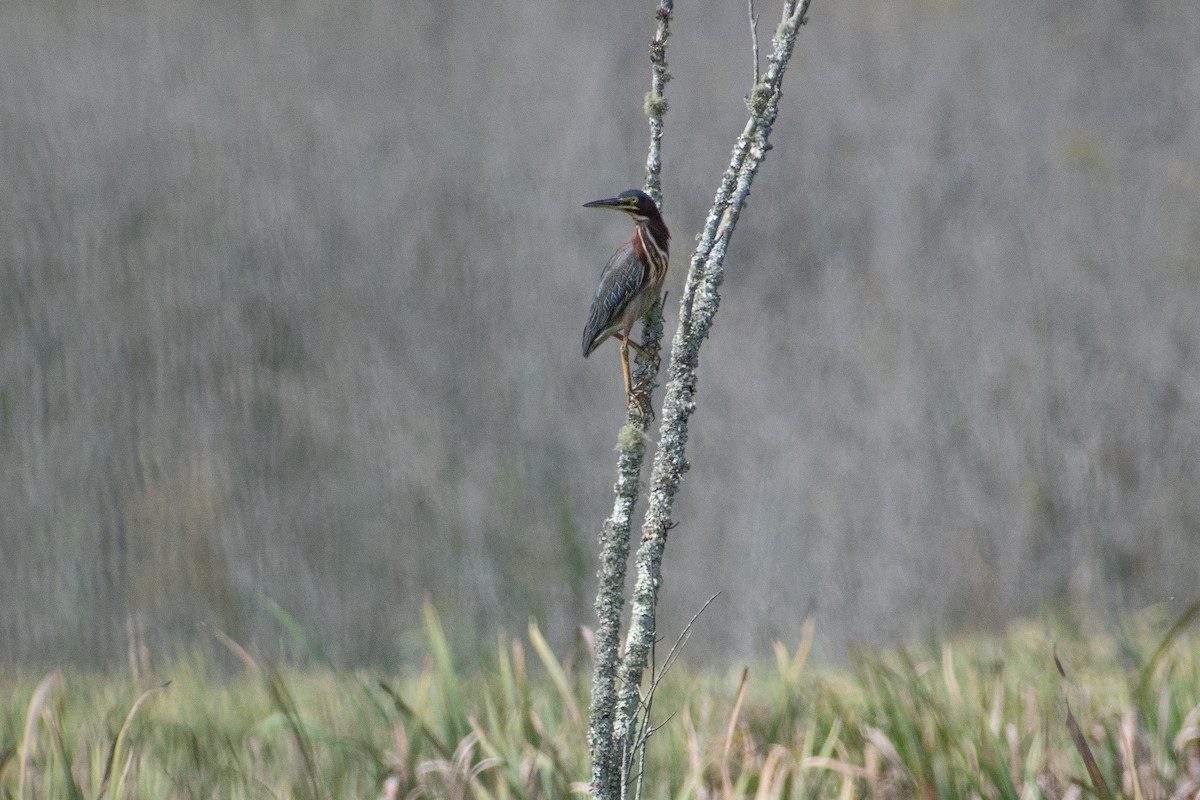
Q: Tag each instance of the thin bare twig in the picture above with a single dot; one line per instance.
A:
(754, 39)
(637, 746)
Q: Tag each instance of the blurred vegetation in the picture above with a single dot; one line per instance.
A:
(289, 294)
(979, 717)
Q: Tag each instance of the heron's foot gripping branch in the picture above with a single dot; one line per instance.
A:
(639, 399)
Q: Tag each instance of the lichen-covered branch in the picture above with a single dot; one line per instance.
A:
(656, 100)
(698, 307)
(610, 598)
(631, 448)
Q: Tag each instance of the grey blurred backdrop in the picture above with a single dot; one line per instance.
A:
(292, 294)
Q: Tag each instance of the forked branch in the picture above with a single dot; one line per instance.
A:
(698, 307)
(613, 729)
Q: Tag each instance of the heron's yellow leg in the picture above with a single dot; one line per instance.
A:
(634, 395)
(625, 368)
(643, 352)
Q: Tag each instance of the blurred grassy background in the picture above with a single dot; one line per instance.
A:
(973, 717)
(291, 294)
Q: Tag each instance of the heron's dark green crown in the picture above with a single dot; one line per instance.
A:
(633, 202)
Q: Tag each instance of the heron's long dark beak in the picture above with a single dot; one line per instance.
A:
(612, 202)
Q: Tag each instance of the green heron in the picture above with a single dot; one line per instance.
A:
(631, 280)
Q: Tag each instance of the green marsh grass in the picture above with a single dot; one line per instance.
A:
(971, 717)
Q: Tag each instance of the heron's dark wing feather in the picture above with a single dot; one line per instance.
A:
(619, 284)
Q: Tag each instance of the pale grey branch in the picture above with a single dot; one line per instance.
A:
(698, 307)
(631, 448)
